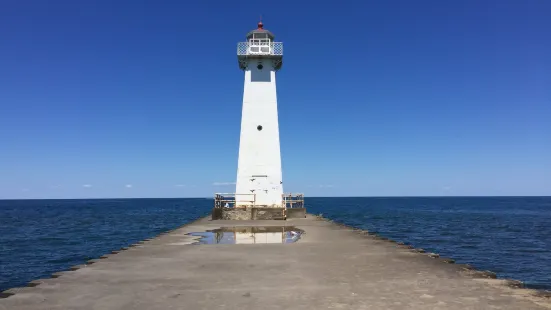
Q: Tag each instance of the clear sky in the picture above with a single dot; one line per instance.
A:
(376, 98)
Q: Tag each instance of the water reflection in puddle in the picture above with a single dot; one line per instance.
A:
(249, 235)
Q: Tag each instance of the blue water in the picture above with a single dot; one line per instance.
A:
(508, 235)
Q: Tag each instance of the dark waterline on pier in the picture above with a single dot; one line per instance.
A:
(39, 237)
(508, 235)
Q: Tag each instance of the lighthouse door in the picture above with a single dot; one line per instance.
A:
(260, 188)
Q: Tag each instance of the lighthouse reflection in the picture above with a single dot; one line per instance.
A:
(250, 235)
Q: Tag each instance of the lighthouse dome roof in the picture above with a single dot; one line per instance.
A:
(260, 30)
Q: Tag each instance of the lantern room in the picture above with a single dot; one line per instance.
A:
(260, 44)
(260, 41)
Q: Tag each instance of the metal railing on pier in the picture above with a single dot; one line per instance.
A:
(233, 200)
(293, 200)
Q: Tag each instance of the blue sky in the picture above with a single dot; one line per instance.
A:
(376, 98)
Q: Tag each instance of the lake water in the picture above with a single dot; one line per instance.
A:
(508, 235)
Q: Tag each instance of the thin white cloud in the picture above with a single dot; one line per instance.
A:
(25, 189)
(223, 183)
(180, 185)
(128, 186)
(326, 186)
(446, 188)
(87, 185)
(55, 186)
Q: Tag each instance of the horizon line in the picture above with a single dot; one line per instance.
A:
(406, 196)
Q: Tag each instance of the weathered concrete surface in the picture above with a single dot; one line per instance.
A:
(243, 214)
(294, 213)
(235, 214)
(330, 267)
(267, 213)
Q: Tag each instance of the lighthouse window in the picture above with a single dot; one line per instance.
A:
(259, 127)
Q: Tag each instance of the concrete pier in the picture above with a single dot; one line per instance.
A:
(329, 267)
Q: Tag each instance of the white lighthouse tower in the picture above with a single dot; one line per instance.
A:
(259, 187)
(259, 166)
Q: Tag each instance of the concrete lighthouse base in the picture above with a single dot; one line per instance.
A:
(257, 213)
(229, 207)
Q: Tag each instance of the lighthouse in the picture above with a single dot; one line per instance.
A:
(259, 185)
(259, 165)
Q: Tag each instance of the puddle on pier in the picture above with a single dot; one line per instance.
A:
(250, 235)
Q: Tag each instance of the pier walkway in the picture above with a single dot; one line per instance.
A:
(329, 267)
